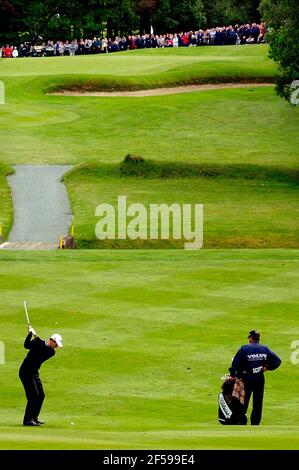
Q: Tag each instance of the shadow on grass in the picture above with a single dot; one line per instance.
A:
(137, 167)
(111, 83)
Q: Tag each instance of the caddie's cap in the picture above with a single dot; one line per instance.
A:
(254, 334)
(58, 339)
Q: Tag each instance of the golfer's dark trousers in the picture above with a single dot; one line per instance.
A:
(256, 389)
(34, 393)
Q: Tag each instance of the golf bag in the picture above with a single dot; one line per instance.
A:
(230, 407)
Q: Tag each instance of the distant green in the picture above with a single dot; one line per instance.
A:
(215, 61)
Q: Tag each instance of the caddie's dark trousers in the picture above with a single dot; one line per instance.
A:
(34, 393)
(256, 389)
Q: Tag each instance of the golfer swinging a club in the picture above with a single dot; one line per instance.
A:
(39, 352)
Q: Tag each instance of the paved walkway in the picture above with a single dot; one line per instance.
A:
(28, 246)
(42, 211)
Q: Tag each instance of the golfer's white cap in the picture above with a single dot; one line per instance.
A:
(58, 339)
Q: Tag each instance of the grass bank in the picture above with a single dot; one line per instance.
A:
(244, 206)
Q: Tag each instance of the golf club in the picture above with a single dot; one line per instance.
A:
(27, 316)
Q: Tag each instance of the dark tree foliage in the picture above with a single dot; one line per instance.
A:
(22, 20)
(282, 16)
(146, 9)
(177, 16)
(224, 12)
(65, 19)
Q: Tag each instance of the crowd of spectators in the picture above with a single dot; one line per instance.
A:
(220, 36)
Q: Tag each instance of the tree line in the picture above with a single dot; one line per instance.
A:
(22, 20)
(25, 20)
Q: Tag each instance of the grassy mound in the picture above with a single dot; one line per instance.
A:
(138, 167)
(146, 69)
(143, 69)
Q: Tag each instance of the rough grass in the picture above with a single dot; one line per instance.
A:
(244, 206)
(147, 338)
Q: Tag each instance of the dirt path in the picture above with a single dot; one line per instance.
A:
(41, 206)
(164, 91)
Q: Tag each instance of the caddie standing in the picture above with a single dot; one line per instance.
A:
(249, 364)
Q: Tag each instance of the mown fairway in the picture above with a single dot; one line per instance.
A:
(225, 125)
(149, 334)
(228, 126)
(147, 338)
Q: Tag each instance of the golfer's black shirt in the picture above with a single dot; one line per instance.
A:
(38, 354)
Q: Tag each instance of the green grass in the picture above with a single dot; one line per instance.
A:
(242, 206)
(147, 337)
(226, 126)
(148, 334)
(6, 212)
(187, 127)
(212, 62)
(222, 129)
